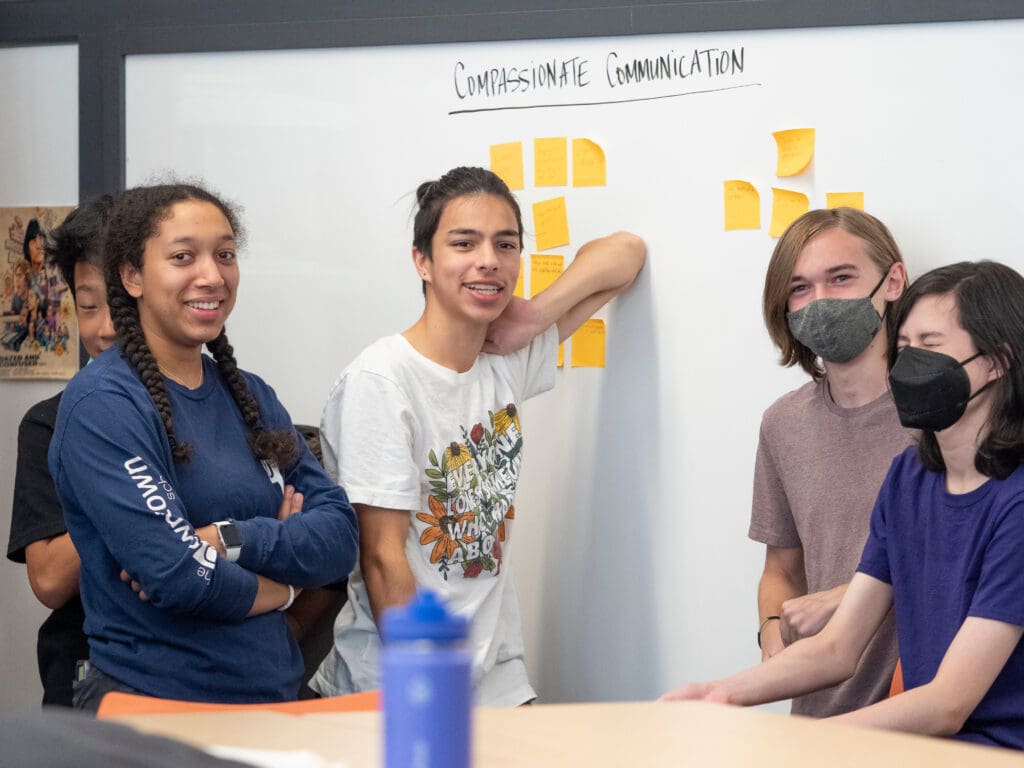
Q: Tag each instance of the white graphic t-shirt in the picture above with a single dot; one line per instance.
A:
(402, 432)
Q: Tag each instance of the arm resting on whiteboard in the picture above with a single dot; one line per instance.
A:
(386, 571)
(601, 269)
(817, 662)
(978, 653)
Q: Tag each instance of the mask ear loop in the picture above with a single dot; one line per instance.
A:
(984, 386)
(874, 290)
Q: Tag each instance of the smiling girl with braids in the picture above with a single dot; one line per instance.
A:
(180, 475)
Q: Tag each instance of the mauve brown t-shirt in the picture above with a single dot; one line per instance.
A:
(819, 468)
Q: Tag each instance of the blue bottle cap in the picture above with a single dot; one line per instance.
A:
(425, 617)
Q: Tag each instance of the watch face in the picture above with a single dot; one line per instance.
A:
(229, 535)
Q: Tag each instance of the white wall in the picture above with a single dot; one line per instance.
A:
(38, 166)
(631, 554)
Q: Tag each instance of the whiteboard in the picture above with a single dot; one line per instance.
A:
(631, 554)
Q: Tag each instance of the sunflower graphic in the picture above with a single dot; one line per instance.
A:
(440, 525)
(505, 418)
(455, 455)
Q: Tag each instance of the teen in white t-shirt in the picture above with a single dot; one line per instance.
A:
(423, 428)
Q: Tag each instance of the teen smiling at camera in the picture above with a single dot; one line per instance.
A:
(424, 429)
(197, 511)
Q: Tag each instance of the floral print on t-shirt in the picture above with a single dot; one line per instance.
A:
(472, 485)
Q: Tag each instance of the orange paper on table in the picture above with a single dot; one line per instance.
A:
(545, 268)
(786, 207)
(551, 223)
(507, 162)
(588, 168)
(847, 199)
(588, 345)
(742, 205)
(796, 148)
(550, 162)
(520, 289)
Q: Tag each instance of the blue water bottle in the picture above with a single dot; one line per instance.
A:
(427, 687)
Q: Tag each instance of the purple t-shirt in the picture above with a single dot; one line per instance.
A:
(947, 557)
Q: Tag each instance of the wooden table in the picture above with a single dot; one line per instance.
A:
(620, 734)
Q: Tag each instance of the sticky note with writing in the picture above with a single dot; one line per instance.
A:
(796, 148)
(550, 161)
(742, 205)
(507, 162)
(588, 166)
(588, 345)
(551, 223)
(787, 206)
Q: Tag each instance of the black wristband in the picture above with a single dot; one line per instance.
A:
(769, 618)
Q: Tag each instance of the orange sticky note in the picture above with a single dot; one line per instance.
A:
(561, 356)
(520, 289)
(507, 162)
(545, 268)
(796, 148)
(588, 345)
(787, 206)
(550, 162)
(847, 199)
(742, 205)
(551, 223)
(588, 167)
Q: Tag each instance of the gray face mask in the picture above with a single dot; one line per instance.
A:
(837, 330)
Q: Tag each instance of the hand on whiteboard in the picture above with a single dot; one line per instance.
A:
(514, 329)
(805, 616)
(697, 692)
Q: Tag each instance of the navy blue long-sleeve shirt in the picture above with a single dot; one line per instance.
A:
(128, 505)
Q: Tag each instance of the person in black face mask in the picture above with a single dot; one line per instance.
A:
(824, 448)
(946, 546)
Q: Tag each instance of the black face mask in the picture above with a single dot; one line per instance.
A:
(931, 389)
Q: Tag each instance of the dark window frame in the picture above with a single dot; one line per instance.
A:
(106, 31)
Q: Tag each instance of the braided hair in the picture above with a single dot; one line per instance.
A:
(136, 218)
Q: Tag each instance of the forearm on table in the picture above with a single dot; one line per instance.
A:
(805, 666)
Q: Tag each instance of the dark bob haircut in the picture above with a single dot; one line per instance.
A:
(990, 303)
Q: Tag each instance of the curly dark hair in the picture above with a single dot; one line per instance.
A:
(136, 218)
(988, 302)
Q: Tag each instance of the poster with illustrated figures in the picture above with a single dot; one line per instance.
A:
(39, 332)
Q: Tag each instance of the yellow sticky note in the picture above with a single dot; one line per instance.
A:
(550, 162)
(551, 223)
(796, 148)
(507, 162)
(588, 169)
(786, 207)
(742, 205)
(588, 345)
(847, 199)
(520, 290)
(561, 356)
(545, 268)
